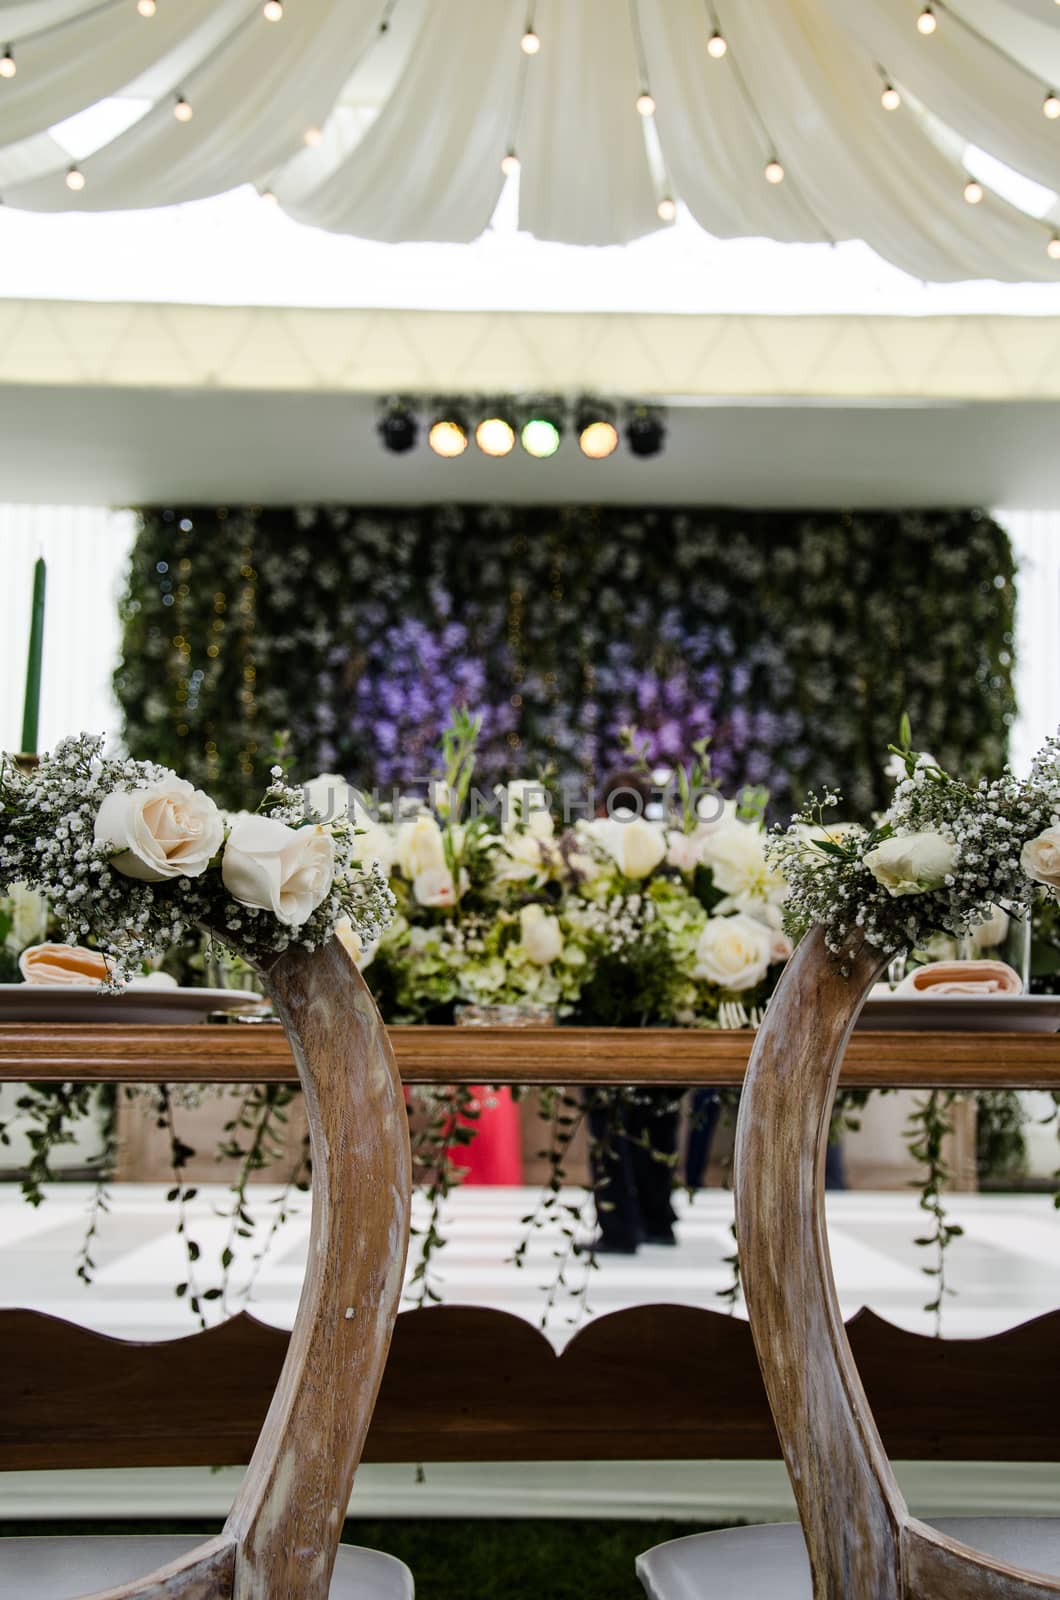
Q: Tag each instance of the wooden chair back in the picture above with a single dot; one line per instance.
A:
(862, 1542)
(284, 1527)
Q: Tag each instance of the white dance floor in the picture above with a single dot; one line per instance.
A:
(1005, 1269)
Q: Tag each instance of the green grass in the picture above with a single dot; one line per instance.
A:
(474, 1559)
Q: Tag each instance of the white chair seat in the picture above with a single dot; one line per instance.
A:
(769, 1562)
(61, 1568)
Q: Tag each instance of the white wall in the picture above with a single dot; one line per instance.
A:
(1036, 540)
(87, 549)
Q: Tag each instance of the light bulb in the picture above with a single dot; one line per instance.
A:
(667, 209)
(75, 179)
(146, 8)
(312, 137)
(1051, 106)
(927, 21)
(272, 10)
(716, 45)
(495, 436)
(645, 104)
(448, 438)
(182, 111)
(598, 440)
(530, 44)
(890, 99)
(774, 171)
(540, 437)
(510, 164)
(1052, 249)
(7, 64)
(973, 192)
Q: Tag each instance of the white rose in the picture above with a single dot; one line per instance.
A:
(420, 846)
(912, 863)
(525, 804)
(734, 952)
(523, 856)
(736, 855)
(541, 935)
(359, 953)
(1040, 858)
(635, 845)
(165, 830)
(287, 871)
(994, 930)
(434, 887)
(328, 795)
(682, 852)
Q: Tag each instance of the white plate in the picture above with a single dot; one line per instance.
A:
(38, 1002)
(961, 1013)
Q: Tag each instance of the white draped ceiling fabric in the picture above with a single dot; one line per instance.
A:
(390, 121)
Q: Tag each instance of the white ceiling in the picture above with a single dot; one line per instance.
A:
(110, 446)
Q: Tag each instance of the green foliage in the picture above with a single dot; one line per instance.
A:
(800, 637)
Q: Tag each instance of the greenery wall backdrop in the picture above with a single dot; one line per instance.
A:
(794, 640)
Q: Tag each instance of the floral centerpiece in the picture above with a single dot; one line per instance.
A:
(133, 857)
(942, 858)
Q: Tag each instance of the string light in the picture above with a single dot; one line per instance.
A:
(774, 171)
(1052, 249)
(666, 209)
(7, 64)
(272, 10)
(146, 8)
(927, 21)
(645, 104)
(529, 44)
(182, 110)
(75, 179)
(510, 164)
(312, 137)
(716, 45)
(890, 99)
(973, 192)
(1051, 106)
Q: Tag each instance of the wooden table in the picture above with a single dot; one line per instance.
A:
(108, 1053)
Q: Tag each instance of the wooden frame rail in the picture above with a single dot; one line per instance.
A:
(109, 1053)
(471, 1383)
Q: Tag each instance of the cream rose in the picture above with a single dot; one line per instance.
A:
(287, 871)
(1040, 859)
(682, 852)
(635, 845)
(359, 953)
(434, 887)
(525, 804)
(165, 830)
(912, 863)
(734, 952)
(540, 934)
(994, 931)
(328, 795)
(736, 855)
(420, 846)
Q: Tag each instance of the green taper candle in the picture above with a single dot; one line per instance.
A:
(31, 711)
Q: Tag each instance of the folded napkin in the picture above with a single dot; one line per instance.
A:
(940, 978)
(63, 965)
(67, 966)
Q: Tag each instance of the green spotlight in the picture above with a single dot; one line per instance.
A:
(542, 431)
